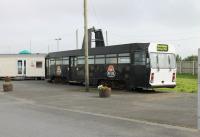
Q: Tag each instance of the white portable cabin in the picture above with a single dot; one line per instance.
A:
(22, 66)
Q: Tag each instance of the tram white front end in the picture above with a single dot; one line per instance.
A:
(163, 65)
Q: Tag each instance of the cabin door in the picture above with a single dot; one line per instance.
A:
(21, 68)
(72, 68)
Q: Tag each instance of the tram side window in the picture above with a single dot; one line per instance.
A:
(139, 58)
(111, 59)
(65, 61)
(100, 59)
(154, 60)
(91, 60)
(172, 60)
(75, 61)
(163, 61)
(124, 58)
(81, 60)
(58, 61)
(47, 63)
(52, 62)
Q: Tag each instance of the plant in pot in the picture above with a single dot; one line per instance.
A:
(104, 91)
(7, 85)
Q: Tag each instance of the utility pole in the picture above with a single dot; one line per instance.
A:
(86, 46)
(77, 39)
(198, 115)
(58, 39)
(106, 38)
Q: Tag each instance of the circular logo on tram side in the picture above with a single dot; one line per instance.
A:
(111, 71)
(58, 70)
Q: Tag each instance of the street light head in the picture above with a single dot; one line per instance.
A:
(57, 39)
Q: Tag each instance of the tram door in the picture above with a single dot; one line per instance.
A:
(139, 68)
(72, 68)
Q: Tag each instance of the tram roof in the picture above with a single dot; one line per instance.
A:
(124, 48)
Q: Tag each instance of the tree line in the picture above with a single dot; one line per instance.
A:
(188, 58)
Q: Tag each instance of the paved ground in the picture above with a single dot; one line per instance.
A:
(37, 108)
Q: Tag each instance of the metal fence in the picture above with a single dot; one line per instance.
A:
(190, 67)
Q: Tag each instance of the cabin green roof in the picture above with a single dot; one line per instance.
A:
(24, 52)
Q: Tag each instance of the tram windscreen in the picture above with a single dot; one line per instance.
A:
(163, 61)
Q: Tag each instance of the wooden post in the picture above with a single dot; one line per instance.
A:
(193, 68)
(181, 67)
(86, 46)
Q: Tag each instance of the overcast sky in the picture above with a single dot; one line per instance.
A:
(127, 21)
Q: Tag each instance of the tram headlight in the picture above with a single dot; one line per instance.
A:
(174, 77)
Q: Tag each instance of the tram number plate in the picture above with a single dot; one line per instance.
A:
(162, 47)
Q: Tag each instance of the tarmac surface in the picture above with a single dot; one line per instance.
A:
(41, 109)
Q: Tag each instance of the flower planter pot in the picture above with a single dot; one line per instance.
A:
(106, 92)
(7, 85)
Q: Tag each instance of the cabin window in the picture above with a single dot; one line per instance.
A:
(111, 59)
(100, 59)
(25, 67)
(65, 61)
(124, 58)
(39, 64)
(139, 58)
(19, 64)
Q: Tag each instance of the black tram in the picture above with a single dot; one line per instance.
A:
(134, 65)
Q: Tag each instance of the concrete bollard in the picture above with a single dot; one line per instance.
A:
(7, 85)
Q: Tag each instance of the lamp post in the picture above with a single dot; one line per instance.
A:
(86, 46)
(77, 39)
(58, 39)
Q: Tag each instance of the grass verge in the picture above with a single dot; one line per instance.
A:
(184, 83)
